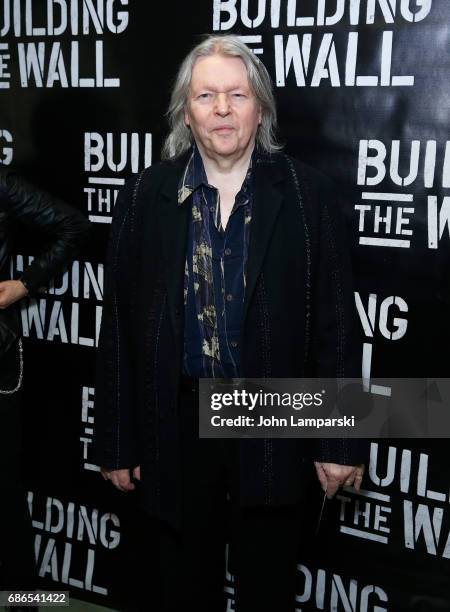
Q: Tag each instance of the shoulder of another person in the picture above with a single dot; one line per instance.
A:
(8, 181)
(5, 172)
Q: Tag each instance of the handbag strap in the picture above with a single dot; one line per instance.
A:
(20, 379)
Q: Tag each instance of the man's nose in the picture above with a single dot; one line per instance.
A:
(222, 104)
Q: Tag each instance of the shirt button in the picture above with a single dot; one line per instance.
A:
(229, 297)
(212, 208)
(234, 343)
(227, 251)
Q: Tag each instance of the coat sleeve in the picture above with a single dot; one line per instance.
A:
(334, 333)
(115, 443)
(66, 227)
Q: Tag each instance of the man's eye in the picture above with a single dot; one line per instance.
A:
(204, 96)
(238, 95)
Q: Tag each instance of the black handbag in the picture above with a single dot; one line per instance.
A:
(9, 330)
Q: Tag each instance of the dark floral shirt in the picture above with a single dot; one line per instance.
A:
(215, 271)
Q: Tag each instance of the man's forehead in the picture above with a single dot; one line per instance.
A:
(208, 64)
(233, 71)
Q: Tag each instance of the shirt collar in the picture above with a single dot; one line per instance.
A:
(194, 175)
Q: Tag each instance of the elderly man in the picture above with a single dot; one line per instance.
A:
(225, 261)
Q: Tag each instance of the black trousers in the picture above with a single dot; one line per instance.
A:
(17, 567)
(264, 541)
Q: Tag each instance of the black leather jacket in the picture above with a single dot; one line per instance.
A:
(21, 202)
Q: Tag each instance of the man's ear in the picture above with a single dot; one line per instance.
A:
(186, 117)
(260, 116)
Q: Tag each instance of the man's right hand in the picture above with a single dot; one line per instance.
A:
(121, 478)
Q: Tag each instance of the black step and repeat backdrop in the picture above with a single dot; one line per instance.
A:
(363, 93)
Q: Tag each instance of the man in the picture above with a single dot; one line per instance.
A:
(224, 261)
(63, 229)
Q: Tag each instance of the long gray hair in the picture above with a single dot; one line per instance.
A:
(180, 138)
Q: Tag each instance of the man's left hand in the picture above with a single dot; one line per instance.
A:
(332, 476)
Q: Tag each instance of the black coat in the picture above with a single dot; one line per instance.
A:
(61, 225)
(298, 320)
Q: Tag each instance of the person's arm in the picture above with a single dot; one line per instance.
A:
(114, 446)
(65, 227)
(335, 351)
(11, 291)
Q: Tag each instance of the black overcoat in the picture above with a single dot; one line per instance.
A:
(298, 320)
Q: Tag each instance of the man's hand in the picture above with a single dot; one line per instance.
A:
(333, 475)
(10, 292)
(121, 478)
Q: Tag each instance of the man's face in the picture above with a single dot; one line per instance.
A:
(221, 110)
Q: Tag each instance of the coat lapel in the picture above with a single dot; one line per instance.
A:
(173, 225)
(267, 200)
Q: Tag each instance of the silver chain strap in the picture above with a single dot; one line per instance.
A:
(19, 382)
